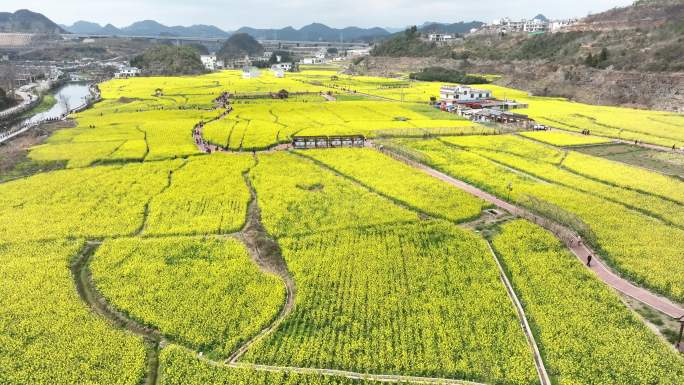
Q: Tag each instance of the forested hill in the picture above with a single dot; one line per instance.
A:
(24, 21)
(240, 45)
(647, 36)
(169, 60)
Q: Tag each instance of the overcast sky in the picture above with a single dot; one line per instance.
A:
(230, 14)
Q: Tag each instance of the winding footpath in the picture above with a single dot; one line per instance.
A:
(266, 254)
(567, 236)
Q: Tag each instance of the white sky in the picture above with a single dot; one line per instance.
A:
(231, 14)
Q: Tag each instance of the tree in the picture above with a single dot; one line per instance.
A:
(603, 56)
(333, 51)
(589, 60)
(5, 102)
(285, 57)
(64, 102)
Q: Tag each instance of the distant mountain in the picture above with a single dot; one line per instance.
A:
(312, 32)
(394, 29)
(25, 21)
(316, 32)
(540, 17)
(85, 27)
(147, 28)
(460, 27)
(110, 30)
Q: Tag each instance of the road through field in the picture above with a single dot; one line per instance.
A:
(567, 236)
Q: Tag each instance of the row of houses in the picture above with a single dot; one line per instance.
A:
(537, 25)
(480, 105)
(125, 72)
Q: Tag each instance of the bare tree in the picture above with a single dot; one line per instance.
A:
(64, 102)
(7, 78)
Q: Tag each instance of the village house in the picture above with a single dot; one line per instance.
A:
(211, 62)
(450, 95)
(312, 60)
(440, 37)
(282, 66)
(127, 72)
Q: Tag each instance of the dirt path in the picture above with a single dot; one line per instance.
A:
(198, 137)
(155, 341)
(357, 376)
(328, 97)
(569, 238)
(266, 253)
(85, 286)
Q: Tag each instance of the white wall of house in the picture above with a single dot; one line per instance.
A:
(454, 94)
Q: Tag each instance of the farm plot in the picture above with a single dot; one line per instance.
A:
(204, 293)
(119, 137)
(180, 367)
(643, 248)
(401, 183)
(47, 334)
(94, 202)
(587, 335)
(506, 149)
(208, 195)
(297, 197)
(563, 139)
(417, 299)
(624, 176)
(262, 125)
(669, 163)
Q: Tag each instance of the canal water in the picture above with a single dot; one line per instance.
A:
(75, 94)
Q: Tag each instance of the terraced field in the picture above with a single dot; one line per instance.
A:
(148, 260)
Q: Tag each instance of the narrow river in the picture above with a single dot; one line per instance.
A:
(75, 95)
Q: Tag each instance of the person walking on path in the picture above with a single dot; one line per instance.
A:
(589, 260)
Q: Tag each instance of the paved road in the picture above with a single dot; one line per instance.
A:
(570, 238)
(26, 99)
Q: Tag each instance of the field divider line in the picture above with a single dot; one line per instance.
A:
(355, 375)
(522, 317)
(146, 212)
(567, 236)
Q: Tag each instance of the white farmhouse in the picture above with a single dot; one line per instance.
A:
(282, 66)
(127, 72)
(358, 52)
(211, 62)
(440, 37)
(312, 60)
(451, 95)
